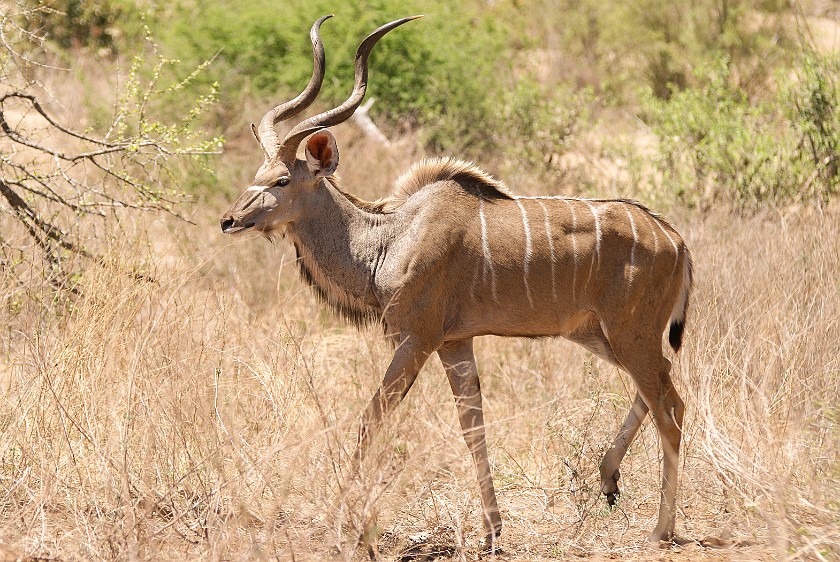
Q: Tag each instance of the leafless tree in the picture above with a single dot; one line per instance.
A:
(54, 177)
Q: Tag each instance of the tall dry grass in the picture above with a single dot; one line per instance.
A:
(209, 413)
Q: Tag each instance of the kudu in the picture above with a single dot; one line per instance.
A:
(453, 254)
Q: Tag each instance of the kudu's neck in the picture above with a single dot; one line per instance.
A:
(339, 248)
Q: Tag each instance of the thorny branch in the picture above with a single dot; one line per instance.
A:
(53, 177)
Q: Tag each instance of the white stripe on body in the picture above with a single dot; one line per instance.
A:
(528, 251)
(550, 248)
(633, 248)
(649, 218)
(574, 250)
(485, 247)
(597, 256)
(674, 244)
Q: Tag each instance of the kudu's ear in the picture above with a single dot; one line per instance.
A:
(322, 153)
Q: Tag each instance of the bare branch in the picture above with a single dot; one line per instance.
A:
(366, 124)
(37, 106)
(53, 177)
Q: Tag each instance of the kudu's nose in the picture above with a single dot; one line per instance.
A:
(226, 224)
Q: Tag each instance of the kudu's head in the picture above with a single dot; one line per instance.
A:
(276, 196)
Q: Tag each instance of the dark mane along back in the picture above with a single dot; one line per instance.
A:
(431, 170)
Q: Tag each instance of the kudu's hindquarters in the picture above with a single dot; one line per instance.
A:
(656, 395)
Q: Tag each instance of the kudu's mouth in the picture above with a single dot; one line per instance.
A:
(229, 226)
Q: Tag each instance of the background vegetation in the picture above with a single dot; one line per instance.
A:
(738, 93)
(189, 399)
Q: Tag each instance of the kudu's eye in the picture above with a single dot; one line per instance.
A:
(283, 182)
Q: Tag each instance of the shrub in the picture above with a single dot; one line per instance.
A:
(448, 71)
(67, 188)
(533, 127)
(811, 102)
(613, 46)
(717, 143)
(81, 24)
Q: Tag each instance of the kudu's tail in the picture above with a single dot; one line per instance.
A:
(678, 315)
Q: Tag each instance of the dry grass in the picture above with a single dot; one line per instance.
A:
(210, 414)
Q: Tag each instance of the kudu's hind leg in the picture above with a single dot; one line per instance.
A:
(459, 362)
(591, 335)
(615, 454)
(650, 371)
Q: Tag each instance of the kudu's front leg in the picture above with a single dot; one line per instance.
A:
(459, 361)
(401, 374)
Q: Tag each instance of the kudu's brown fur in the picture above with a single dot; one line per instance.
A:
(453, 254)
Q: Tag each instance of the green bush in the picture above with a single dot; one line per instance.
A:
(513, 81)
(660, 43)
(448, 71)
(714, 142)
(462, 76)
(718, 144)
(80, 23)
(534, 127)
(811, 101)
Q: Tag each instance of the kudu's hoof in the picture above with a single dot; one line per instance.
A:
(609, 487)
(662, 540)
(489, 545)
